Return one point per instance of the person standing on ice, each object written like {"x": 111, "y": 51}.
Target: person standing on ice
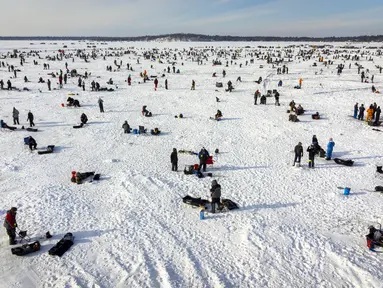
{"x": 30, "y": 119}
{"x": 60, "y": 82}
{"x": 276, "y": 96}
{"x": 256, "y": 95}
{"x": 215, "y": 191}
{"x": 166, "y": 84}
{"x": 155, "y": 84}
{"x": 174, "y": 160}
{"x": 203, "y": 155}
{"x": 298, "y": 150}
{"x": 311, "y": 149}
{"x": 370, "y": 113}
{"x": 15, "y": 115}
{"x": 193, "y": 85}
{"x": 362, "y": 76}
{"x": 330, "y": 147}
{"x": 356, "y": 108}
{"x": 377, "y": 115}
{"x": 361, "y": 112}
{"x": 126, "y": 127}
{"x": 101, "y": 105}
{"x": 10, "y": 225}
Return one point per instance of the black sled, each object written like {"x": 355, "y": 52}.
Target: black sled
{"x": 79, "y": 126}
{"x": 49, "y": 150}
{"x": 26, "y": 249}
{"x": 32, "y": 129}
{"x": 62, "y": 246}
{"x": 195, "y": 202}
{"x": 344, "y": 162}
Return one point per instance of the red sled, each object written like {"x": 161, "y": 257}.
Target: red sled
{"x": 210, "y": 160}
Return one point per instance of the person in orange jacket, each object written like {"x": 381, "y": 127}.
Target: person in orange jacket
{"x": 300, "y": 82}
{"x": 370, "y": 112}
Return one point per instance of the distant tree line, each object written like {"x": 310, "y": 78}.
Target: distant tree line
{"x": 200, "y": 38}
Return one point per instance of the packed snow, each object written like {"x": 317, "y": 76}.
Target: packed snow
{"x": 294, "y": 228}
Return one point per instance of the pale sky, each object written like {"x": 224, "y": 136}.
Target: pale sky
{"x": 213, "y": 17}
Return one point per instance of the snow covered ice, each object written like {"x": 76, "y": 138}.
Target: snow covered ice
{"x": 294, "y": 227}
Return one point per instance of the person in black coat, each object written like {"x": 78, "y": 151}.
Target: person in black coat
{"x": 126, "y": 127}
{"x": 276, "y": 96}
{"x": 30, "y": 119}
{"x": 174, "y": 160}
{"x": 84, "y": 118}
{"x": 263, "y": 99}
{"x": 311, "y": 149}
{"x": 32, "y": 143}
{"x": 361, "y": 112}
{"x": 203, "y": 155}
{"x": 316, "y": 143}
{"x": 101, "y": 105}
{"x": 298, "y": 153}
{"x": 377, "y": 114}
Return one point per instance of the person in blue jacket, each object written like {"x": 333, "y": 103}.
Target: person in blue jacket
{"x": 203, "y": 155}
{"x": 356, "y": 109}
{"x": 330, "y": 147}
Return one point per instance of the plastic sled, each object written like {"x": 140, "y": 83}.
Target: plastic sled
{"x": 26, "y": 249}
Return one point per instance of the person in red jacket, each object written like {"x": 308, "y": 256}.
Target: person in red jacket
{"x": 10, "y": 225}
{"x": 155, "y": 84}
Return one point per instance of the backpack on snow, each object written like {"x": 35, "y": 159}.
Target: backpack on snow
{"x": 230, "y": 205}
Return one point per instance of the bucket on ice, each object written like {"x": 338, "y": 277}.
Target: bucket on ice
{"x": 135, "y": 131}
{"x": 346, "y": 191}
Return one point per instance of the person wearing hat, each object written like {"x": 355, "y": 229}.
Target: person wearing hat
{"x": 298, "y": 154}
{"x": 10, "y": 225}
{"x": 215, "y": 191}
{"x": 330, "y": 147}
